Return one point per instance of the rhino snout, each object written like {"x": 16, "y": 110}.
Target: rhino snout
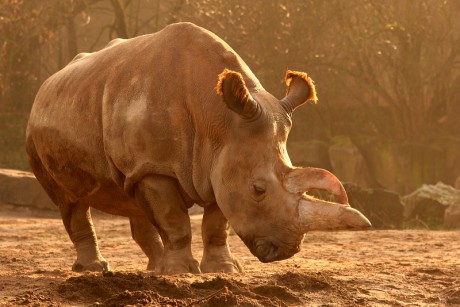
{"x": 270, "y": 249}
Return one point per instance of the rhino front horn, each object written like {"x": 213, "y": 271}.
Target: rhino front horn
{"x": 315, "y": 214}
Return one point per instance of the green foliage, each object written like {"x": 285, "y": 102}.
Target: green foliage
{"x": 398, "y": 54}
{"x": 21, "y": 31}
{"x": 25, "y": 28}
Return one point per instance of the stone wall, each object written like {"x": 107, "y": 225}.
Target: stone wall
{"x": 23, "y": 189}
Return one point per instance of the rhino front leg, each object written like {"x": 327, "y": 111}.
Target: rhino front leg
{"x": 147, "y": 237}
{"x": 216, "y": 253}
{"x": 160, "y": 198}
{"x": 79, "y": 226}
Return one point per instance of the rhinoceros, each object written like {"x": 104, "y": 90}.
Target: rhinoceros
{"x": 147, "y": 127}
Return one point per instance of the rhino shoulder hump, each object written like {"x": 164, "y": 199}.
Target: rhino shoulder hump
{"x": 183, "y": 27}
{"x": 114, "y": 42}
{"x": 192, "y": 34}
{"x": 79, "y": 56}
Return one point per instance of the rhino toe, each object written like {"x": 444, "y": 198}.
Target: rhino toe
{"x": 232, "y": 266}
{"x": 181, "y": 267}
{"x": 178, "y": 262}
{"x": 95, "y": 266}
{"x": 219, "y": 259}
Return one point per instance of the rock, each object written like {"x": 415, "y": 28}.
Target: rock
{"x": 434, "y": 204}
{"x": 452, "y": 216}
{"x": 22, "y": 188}
{"x": 380, "y": 157}
{"x": 348, "y": 163}
{"x": 403, "y": 167}
{"x": 383, "y": 208}
{"x": 313, "y": 154}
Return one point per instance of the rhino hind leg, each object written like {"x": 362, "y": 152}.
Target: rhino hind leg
{"x": 160, "y": 198}
{"x": 75, "y": 216}
{"x": 147, "y": 237}
{"x": 216, "y": 253}
{"x": 79, "y": 226}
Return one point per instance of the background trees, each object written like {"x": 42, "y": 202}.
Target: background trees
{"x": 387, "y": 72}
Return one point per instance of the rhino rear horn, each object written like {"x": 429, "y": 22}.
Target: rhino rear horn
{"x": 236, "y": 95}
{"x": 300, "y": 89}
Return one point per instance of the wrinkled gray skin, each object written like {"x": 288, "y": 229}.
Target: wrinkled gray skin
{"x": 139, "y": 130}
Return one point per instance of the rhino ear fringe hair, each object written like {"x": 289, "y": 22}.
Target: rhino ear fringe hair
{"x": 238, "y": 85}
{"x": 288, "y": 78}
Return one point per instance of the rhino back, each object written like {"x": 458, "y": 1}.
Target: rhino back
{"x": 139, "y": 106}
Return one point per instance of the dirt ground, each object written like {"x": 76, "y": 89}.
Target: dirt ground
{"x": 366, "y": 268}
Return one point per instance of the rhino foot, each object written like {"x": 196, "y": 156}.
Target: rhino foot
{"x": 95, "y": 266}
{"x": 213, "y": 266}
{"x": 218, "y": 259}
{"x": 153, "y": 266}
{"x": 178, "y": 262}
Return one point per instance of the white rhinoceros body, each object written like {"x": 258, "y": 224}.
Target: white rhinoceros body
{"x": 138, "y": 129}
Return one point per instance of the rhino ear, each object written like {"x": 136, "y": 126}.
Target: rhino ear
{"x": 232, "y": 88}
{"x": 300, "y": 88}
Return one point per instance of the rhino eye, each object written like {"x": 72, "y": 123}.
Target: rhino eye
{"x": 259, "y": 190}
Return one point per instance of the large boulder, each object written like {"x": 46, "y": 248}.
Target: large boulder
{"x": 434, "y": 204}
{"x": 452, "y": 216}
{"x": 313, "y": 153}
{"x": 348, "y": 163}
{"x": 382, "y": 162}
{"x": 405, "y": 166}
{"x": 383, "y": 208}
{"x": 22, "y": 188}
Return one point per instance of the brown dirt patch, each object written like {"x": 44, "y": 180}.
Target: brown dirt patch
{"x": 386, "y": 268}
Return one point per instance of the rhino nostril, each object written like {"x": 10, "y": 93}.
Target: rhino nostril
{"x": 266, "y": 251}
{"x": 260, "y": 249}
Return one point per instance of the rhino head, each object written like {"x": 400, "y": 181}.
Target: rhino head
{"x": 256, "y": 187}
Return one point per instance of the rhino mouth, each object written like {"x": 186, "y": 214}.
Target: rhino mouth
{"x": 271, "y": 249}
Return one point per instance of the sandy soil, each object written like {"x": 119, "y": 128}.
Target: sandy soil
{"x": 368, "y": 268}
